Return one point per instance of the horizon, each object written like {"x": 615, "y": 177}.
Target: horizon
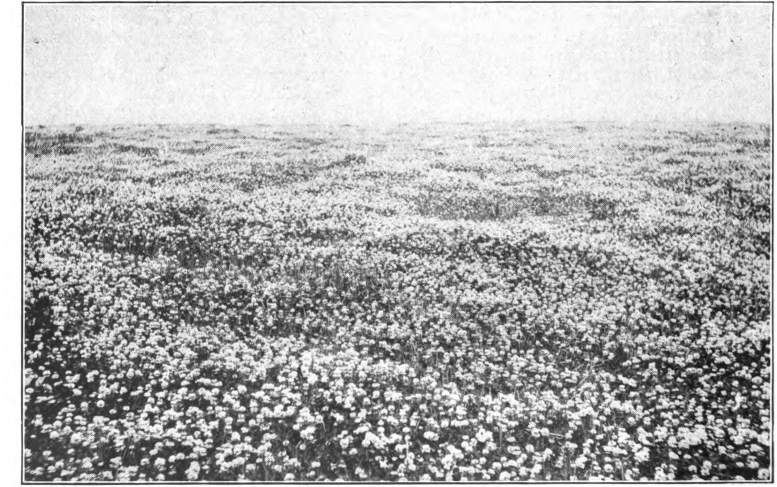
{"x": 85, "y": 125}
{"x": 387, "y": 64}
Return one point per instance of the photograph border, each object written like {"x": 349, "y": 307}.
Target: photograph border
{"x": 376, "y": 2}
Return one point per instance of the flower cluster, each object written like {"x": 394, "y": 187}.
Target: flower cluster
{"x": 466, "y": 302}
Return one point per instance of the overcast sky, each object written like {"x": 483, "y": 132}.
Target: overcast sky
{"x": 357, "y": 63}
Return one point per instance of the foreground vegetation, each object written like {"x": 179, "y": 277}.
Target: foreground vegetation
{"x": 447, "y": 302}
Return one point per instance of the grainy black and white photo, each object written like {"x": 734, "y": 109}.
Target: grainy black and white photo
{"x": 358, "y": 242}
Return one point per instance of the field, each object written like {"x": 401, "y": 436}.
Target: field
{"x": 436, "y": 302}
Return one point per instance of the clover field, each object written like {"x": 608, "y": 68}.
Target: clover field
{"x": 418, "y": 302}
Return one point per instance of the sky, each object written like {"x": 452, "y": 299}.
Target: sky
{"x": 393, "y": 63}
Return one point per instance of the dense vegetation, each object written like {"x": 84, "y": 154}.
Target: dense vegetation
{"x": 446, "y": 302}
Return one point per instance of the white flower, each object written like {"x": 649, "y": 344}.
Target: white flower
{"x": 193, "y": 472}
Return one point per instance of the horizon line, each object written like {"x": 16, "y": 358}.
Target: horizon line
{"x": 395, "y": 123}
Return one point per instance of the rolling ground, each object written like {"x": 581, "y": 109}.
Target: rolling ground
{"x": 439, "y": 302}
